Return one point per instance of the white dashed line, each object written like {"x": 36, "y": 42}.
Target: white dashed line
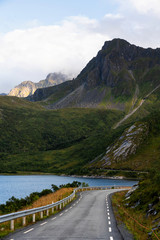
{"x": 73, "y": 204}
{"x": 70, "y": 207}
{"x": 43, "y": 223}
{"x": 61, "y": 214}
{"x": 110, "y": 229}
{"x": 107, "y": 210}
{"x": 109, "y": 222}
{"x": 108, "y": 213}
{"x": 53, "y": 218}
{"x": 66, "y": 210}
{"x": 111, "y": 238}
{"x": 28, "y": 230}
{"x": 109, "y": 218}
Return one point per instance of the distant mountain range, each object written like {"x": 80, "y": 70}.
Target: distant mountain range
{"x": 28, "y": 88}
{"x": 116, "y": 78}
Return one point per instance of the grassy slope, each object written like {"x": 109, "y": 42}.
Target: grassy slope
{"x": 35, "y": 139}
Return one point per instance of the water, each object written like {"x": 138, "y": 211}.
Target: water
{"x": 21, "y": 186}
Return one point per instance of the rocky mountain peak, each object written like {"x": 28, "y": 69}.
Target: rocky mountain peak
{"x": 27, "y": 88}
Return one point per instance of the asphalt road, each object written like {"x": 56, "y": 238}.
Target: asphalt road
{"x": 89, "y": 217}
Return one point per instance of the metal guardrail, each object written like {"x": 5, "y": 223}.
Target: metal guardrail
{"x": 58, "y": 205}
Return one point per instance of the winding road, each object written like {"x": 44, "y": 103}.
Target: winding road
{"x": 89, "y": 217}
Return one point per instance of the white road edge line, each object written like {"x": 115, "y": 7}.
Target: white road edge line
{"x": 28, "y": 230}
{"x": 43, "y": 223}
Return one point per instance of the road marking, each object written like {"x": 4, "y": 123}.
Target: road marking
{"x": 61, "y": 214}
{"x": 108, "y": 218}
{"x": 111, "y": 238}
{"x": 28, "y": 230}
{"x": 53, "y": 218}
{"x": 70, "y": 207}
{"x": 43, "y": 223}
{"x": 109, "y": 222}
{"x": 73, "y": 204}
{"x": 110, "y": 229}
{"x": 108, "y": 213}
{"x": 66, "y": 210}
{"x": 77, "y": 202}
{"x": 107, "y": 210}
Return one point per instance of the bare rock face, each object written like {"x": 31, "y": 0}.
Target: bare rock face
{"x": 27, "y": 88}
{"x": 126, "y": 145}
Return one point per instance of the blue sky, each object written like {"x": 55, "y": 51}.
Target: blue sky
{"x": 21, "y": 13}
{"x": 42, "y": 36}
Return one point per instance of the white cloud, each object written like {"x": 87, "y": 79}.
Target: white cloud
{"x": 30, "y": 54}
{"x": 147, "y": 6}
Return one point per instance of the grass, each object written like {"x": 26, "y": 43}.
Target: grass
{"x": 132, "y": 218}
{"x": 57, "y": 141}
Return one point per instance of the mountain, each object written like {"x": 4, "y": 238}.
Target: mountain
{"x": 3, "y": 94}
{"x": 28, "y": 88}
{"x": 117, "y": 78}
{"x": 106, "y": 120}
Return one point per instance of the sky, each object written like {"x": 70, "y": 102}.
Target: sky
{"x": 38, "y": 37}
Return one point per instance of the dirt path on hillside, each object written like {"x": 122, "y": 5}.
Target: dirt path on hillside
{"x": 134, "y": 110}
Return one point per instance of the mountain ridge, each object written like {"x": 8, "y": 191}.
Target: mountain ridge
{"x": 27, "y": 88}
{"x": 116, "y": 78}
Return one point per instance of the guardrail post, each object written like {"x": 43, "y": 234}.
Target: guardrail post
{"x": 41, "y": 215}
{"x": 34, "y": 218}
{"x": 24, "y": 221}
{"x": 60, "y": 206}
{"x": 52, "y": 208}
{"x": 12, "y": 225}
{"x": 47, "y": 212}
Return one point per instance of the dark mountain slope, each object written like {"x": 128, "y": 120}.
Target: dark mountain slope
{"x": 117, "y": 77}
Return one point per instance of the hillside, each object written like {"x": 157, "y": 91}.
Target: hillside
{"x": 28, "y": 88}
{"x": 119, "y": 77}
{"x": 36, "y": 139}
{"x": 90, "y": 133}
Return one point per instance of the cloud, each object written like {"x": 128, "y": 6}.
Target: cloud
{"x": 147, "y": 6}
{"x": 30, "y": 54}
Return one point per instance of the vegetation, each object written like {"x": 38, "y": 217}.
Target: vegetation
{"x": 33, "y": 200}
{"x": 140, "y": 211}
{"x": 58, "y": 141}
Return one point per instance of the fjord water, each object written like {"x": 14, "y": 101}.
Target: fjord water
{"x": 21, "y": 186}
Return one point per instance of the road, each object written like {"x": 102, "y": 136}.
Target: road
{"x": 89, "y": 217}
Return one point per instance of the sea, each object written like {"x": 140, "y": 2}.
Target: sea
{"x": 21, "y": 186}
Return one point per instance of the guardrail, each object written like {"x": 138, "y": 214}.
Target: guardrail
{"x": 58, "y": 205}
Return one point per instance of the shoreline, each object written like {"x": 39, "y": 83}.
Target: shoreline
{"x": 64, "y": 175}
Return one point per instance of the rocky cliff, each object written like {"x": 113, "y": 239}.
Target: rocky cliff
{"x": 28, "y": 88}
{"x": 117, "y": 77}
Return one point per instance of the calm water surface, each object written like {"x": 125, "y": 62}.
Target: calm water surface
{"x": 21, "y": 186}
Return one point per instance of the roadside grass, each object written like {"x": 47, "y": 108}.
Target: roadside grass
{"x": 45, "y": 200}
{"x": 135, "y": 220}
